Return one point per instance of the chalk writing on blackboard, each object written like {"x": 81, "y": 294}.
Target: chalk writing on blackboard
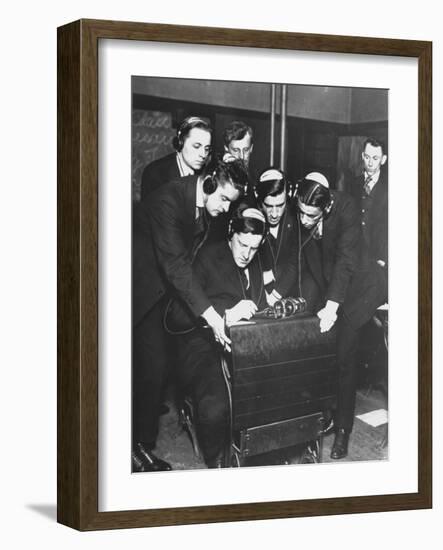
{"x": 152, "y": 136}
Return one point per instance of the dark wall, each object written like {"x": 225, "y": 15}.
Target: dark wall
{"x": 369, "y": 105}
{"x": 324, "y": 103}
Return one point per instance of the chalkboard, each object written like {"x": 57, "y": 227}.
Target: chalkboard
{"x": 152, "y": 135}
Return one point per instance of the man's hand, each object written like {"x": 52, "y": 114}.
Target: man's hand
{"x": 217, "y": 324}
{"x": 227, "y": 157}
{"x": 272, "y": 297}
{"x": 328, "y": 316}
{"x": 245, "y": 309}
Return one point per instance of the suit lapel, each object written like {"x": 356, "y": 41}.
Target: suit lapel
{"x": 280, "y": 236}
{"x": 379, "y": 199}
{"x": 232, "y": 277}
{"x": 227, "y": 267}
{"x": 256, "y": 280}
{"x": 189, "y": 185}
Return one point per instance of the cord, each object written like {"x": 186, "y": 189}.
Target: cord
{"x": 226, "y": 377}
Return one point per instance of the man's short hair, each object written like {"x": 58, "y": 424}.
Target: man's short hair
{"x": 375, "y": 143}
{"x": 235, "y": 131}
{"x": 312, "y": 193}
{"x": 185, "y": 127}
{"x": 241, "y": 222}
{"x": 233, "y": 172}
{"x": 271, "y": 186}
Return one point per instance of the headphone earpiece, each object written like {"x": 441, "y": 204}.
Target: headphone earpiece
{"x": 328, "y": 208}
{"x": 230, "y": 231}
{"x": 292, "y": 189}
{"x": 209, "y": 185}
{"x": 179, "y": 141}
{"x": 265, "y": 235}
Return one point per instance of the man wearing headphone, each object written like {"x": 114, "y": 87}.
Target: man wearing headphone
{"x": 329, "y": 245}
{"x": 329, "y": 239}
{"x": 167, "y": 231}
{"x": 273, "y": 195}
{"x": 230, "y": 273}
{"x": 192, "y": 146}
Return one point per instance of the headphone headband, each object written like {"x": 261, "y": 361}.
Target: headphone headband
{"x": 253, "y": 213}
{"x": 271, "y": 174}
{"x": 189, "y": 121}
{"x": 318, "y": 178}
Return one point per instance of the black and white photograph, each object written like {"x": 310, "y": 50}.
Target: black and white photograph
{"x": 259, "y": 274}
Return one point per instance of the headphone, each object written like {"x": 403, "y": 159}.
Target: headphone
{"x": 249, "y": 212}
{"x": 275, "y": 174}
{"x": 185, "y": 127}
{"x": 210, "y": 183}
{"x": 321, "y": 181}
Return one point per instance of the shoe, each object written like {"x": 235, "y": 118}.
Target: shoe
{"x": 340, "y": 446}
{"x": 144, "y": 460}
{"x": 137, "y": 463}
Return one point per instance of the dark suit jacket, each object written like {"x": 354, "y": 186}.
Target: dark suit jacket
{"x": 333, "y": 268}
{"x": 369, "y": 287}
{"x": 163, "y": 242}
{"x": 158, "y": 173}
{"x": 280, "y": 255}
{"x": 377, "y": 215}
{"x": 219, "y": 277}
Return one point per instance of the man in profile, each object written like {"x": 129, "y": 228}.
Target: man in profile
{"x": 192, "y": 146}
{"x": 168, "y": 230}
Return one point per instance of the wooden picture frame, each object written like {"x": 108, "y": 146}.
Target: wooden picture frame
{"x": 78, "y": 273}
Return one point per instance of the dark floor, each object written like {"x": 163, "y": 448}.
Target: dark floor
{"x": 366, "y": 443}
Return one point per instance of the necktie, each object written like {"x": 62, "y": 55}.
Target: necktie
{"x": 244, "y": 281}
{"x": 199, "y": 231}
{"x": 367, "y": 185}
{"x": 199, "y": 221}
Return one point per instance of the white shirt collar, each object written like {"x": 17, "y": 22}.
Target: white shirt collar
{"x": 274, "y": 231}
{"x": 246, "y": 270}
{"x": 183, "y": 168}
{"x": 318, "y": 233}
{"x": 199, "y": 195}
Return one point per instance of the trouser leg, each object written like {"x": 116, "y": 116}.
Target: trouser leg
{"x": 149, "y": 362}
{"x": 347, "y": 343}
{"x": 200, "y": 374}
